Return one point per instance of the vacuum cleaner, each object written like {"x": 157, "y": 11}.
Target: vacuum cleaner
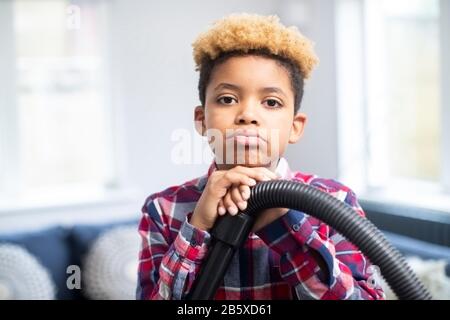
{"x": 230, "y": 232}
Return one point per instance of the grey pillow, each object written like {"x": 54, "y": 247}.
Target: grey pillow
{"x": 22, "y": 276}
{"x": 110, "y": 267}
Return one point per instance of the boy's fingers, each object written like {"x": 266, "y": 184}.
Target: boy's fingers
{"x": 237, "y": 198}
{"x": 221, "y": 208}
{"x": 236, "y": 178}
{"x": 268, "y": 173}
{"x": 259, "y": 173}
{"x": 245, "y": 191}
{"x": 229, "y": 204}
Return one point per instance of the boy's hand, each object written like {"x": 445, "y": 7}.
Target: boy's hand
{"x": 237, "y": 196}
{"x": 226, "y": 190}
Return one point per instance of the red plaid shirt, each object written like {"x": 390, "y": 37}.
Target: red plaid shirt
{"x": 274, "y": 263}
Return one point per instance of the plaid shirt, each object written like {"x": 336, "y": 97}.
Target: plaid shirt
{"x": 274, "y": 263}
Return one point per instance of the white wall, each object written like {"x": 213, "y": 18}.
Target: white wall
{"x": 317, "y": 151}
{"x": 154, "y": 91}
{"x": 156, "y": 85}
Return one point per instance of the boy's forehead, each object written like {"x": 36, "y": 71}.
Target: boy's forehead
{"x": 250, "y": 71}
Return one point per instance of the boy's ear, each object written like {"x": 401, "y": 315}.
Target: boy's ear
{"x": 199, "y": 120}
{"x": 298, "y": 126}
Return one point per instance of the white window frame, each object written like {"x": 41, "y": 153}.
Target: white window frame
{"x": 352, "y": 119}
{"x": 9, "y": 161}
{"x": 445, "y": 90}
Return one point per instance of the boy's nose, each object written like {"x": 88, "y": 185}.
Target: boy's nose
{"x": 244, "y": 120}
{"x": 247, "y": 116}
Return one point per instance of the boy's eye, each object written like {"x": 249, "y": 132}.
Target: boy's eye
{"x": 272, "y": 103}
{"x": 226, "y": 100}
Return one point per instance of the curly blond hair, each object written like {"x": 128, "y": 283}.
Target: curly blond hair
{"x": 244, "y": 32}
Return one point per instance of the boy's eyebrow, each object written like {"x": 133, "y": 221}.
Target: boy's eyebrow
{"x": 273, "y": 89}
{"x": 230, "y": 86}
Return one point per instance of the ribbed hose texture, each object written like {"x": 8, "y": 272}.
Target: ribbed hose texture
{"x": 323, "y": 206}
{"x": 341, "y": 217}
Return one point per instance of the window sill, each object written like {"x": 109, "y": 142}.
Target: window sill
{"x": 424, "y": 196}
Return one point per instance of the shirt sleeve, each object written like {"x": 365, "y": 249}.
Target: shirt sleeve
{"x": 300, "y": 239}
{"x": 167, "y": 268}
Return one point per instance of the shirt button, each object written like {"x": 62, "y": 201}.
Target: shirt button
{"x": 295, "y": 227}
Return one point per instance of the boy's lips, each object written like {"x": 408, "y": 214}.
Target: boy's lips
{"x": 246, "y": 137}
{"x": 245, "y": 133}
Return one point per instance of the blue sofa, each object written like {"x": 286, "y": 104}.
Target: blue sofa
{"x": 58, "y": 247}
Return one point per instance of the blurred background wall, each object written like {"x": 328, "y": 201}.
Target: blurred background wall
{"x": 93, "y": 92}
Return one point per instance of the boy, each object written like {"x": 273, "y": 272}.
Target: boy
{"x": 252, "y": 70}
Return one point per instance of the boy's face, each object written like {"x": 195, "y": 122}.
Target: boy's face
{"x": 249, "y": 113}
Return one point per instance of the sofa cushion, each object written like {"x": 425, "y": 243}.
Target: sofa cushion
{"x": 412, "y": 247}
{"x": 111, "y": 264}
{"x": 51, "y": 249}
{"x": 81, "y": 239}
{"x": 22, "y": 276}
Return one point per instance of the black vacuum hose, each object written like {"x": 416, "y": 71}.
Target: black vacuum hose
{"x": 230, "y": 232}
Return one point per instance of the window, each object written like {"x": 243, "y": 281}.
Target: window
{"x": 403, "y": 82}
{"x": 55, "y": 120}
{"x": 391, "y": 97}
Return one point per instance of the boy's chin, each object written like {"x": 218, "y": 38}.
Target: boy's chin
{"x": 254, "y": 165}
{"x": 250, "y": 163}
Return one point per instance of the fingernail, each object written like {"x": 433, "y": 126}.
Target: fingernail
{"x": 245, "y": 195}
{"x": 251, "y": 182}
{"x": 222, "y": 210}
{"x": 242, "y": 205}
{"x": 232, "y": 210}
